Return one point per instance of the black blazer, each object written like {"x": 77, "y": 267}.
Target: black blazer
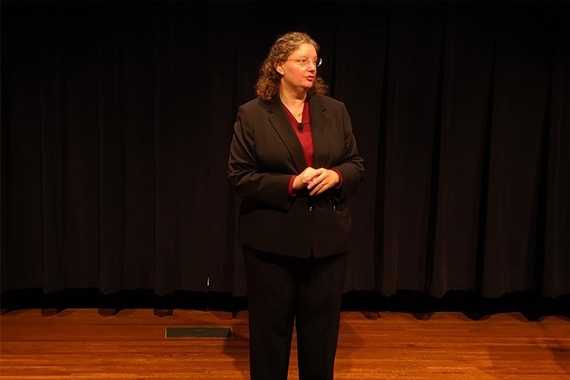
{"x": 265, "y": 152}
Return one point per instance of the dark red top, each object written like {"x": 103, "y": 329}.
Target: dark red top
{"x": 304, "y": 134}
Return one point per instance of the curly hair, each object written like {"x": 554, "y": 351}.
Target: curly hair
{"x": 267, "y": 86}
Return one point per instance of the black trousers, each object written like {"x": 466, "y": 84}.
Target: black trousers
{"x": 284, "y": 292}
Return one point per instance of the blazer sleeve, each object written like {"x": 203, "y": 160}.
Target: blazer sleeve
{"x": 244, "y": 177}
{"x": 351, "y": 167}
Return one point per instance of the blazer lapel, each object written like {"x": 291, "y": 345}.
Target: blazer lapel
{"x": 318, "y": 128}
{"x": 282, "y": 126}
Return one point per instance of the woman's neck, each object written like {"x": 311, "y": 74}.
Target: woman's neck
{"x": 292, "y": 100}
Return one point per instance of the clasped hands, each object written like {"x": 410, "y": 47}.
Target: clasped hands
{"x": 317, "y": 181}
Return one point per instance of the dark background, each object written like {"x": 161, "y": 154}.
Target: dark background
{"x": 117, "y": 118}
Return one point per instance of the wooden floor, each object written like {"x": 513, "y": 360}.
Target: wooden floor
{"x": 131, "y": 344}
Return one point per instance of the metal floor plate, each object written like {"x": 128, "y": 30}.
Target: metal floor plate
{"x": 198, "y": 332}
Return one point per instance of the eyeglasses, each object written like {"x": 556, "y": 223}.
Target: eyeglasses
{"x": 304, "y": 62}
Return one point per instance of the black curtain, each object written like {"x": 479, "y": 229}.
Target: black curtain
{"x": 117, "y": 119}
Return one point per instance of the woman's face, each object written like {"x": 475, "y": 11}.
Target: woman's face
{"x": 300, "y": 69}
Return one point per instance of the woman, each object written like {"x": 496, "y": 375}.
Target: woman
{"x": 294, "y": 162}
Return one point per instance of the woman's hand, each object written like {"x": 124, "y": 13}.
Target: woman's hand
{"x": 304, "y": 179}
{"x": 322, "y": 180}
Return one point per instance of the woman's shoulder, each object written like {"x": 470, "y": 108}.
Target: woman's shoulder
{"x": 255, "y": 104}
{"x": 327, "y": 101}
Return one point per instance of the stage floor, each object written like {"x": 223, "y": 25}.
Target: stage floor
{"x": 132, "y": 344}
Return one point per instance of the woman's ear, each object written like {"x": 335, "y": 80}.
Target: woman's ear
{"x": 279, "y": 68}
